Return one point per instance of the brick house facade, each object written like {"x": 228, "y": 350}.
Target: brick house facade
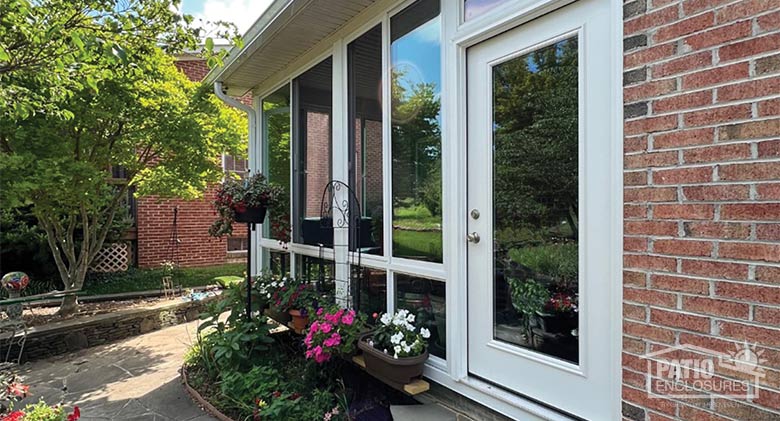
{"x": 188, "y": 243}
{"x": 702, "y": 195}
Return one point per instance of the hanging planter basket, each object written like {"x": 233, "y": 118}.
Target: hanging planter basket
{"x": 251, "y": 215}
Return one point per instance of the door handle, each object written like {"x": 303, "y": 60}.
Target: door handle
{"x": 472, "y": 237}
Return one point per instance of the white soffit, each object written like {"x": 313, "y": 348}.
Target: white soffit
{"x": 287, "y": 29}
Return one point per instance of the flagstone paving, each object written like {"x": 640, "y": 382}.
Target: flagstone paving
{"x": 135, "y": 379}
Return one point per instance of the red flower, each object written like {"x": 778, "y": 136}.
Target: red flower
{"x": 14, "y": 416}
{"x": 75, "y": 415}
{"x": 277, "y": 394}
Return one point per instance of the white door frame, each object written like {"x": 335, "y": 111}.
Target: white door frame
{"x": 461, "y": 36}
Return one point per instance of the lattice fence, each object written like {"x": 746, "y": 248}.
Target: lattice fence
{"x": 113, "y": 257}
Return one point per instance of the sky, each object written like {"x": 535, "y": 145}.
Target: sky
{"x": 243, "y": 13}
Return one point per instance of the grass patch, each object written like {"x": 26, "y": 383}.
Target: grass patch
{"x": 426, "y": 244}
{"x": 415, "y": 216}
{"x": 150, "y": 279}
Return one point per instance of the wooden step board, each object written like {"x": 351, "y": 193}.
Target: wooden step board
{"x": 414, "y": 388}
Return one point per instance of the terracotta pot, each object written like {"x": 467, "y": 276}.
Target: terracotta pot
{"x": 300, "y": 322}
{"x": 400, "y": 371}
{"x": 281, "y": 317}
{"x": 254, "y": 215}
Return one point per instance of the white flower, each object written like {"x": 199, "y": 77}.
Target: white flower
{"x": 410, "y": 318}
{"x": 269, "y": 295}
{"x": 281, "y": 284}
{"x": 409, "y": 327}
{"x": 385, "y": 319}
{"x": 274, "y": 284}
{"x": 425, "y": 333}
{"x": 397, "y": 350}
{"x": 395, "y": 339}
{"x": 407, "y": 348}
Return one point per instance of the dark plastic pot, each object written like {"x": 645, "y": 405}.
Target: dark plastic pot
{"x": 397, "y": 370}
{"x": 558, "y": 323}
{"x": 251, "y": 215}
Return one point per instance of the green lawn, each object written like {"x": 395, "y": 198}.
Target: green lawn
{"x": 415, "y": 216}
{"x": 425, "y": 244}
{"x": 149, "y": 279}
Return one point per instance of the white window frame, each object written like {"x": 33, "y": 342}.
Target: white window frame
{"x": 457, "y": 36}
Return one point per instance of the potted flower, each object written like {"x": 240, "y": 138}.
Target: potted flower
{"x": 333, "y": 332}
{"x": 560, "y": 314}
{"x": 243, "y": 201}
{"x": 272, "y": 290}
{"x": 396, "y": 350}
{"x": 301, "y": 301}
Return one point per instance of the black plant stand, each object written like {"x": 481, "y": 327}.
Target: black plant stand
{"x": 250, "y": 228}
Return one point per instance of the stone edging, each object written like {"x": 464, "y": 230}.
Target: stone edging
{"x": 203, "y": 403}
{"x": 71, "y": 335}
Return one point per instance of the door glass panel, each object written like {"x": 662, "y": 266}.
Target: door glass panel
{"x": 535, "y": 199}
{"x": 474, "y": 8}
{"x": 415, "y": 51}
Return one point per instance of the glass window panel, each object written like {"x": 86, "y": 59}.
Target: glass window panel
{"x": 535, "y": 196}
{"x": 426, "y": 299}
{"x": 276, "y": 152}
{"x": 474, "y": 8}
{"x": 416, "y": 136}
{"x": 365, "y": 155}
{"x": 313, "y": 152}
{"x": 371, "y": 295}
{"x": 277, "y": 262}
{"x": 318, "y": 271}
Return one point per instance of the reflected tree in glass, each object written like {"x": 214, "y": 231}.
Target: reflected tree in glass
{"x": 535, "y": 195}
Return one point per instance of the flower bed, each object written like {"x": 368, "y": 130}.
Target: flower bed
{"x": 245, "y": 372}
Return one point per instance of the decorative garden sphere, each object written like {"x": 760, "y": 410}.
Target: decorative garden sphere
{"x": 15, "y": 281}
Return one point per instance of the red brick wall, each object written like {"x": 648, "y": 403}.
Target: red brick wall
{"x": 318, "y": 155}
{"x": 155, "y": 218}
{"x": 702, "y": 195}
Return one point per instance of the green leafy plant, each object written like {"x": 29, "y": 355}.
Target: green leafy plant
{"x": 558, "y": 261}
{"x": 41, "y": 411}
{"x": 235, "y": 341}
{"x": 528, "y": 297}
{"x": 297, "y": 294}
{"x": 235, "y": 195}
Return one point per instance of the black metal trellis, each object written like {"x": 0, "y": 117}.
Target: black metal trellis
{"x": 340, "y": 210}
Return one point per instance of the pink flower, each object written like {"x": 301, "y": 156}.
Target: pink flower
{"x": 334, "y": 340}
{"x": 321, "y": 358}
{"x": 347, "y": 319}
{"x": 319, "y": 311}
{"x": 315, "y": 327}
{"x": 326, "y": 327}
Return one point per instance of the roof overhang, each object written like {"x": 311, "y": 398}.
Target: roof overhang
{"x": 284, "y": 32}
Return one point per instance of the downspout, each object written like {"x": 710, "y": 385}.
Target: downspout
{"x": 254, "y": 262}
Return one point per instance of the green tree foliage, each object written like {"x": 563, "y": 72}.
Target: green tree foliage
{"x": 52, "y": 48}
{"x": 119, "y": 102}
{"x": 536, "y": 138}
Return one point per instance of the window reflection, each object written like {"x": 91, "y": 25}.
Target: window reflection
{"x": 319, "y": 272}
{"x": 535, "y": 196}
{"x": 313, "y": 152}
{"x": 276, "y": 133}
{"x": 416, "y": 137}
{"x": 426, "y": 299}
{"x": 365, "y": 110}
{"x": 371, "y": 295}
{"x": 474, "y": 8}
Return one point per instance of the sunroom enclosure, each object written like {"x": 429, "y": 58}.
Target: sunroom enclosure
{"x": 480, "y": 140}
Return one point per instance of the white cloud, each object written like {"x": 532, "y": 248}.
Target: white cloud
{"x": 243, "y": 13}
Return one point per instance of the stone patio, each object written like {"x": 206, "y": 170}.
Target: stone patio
{"x": 135, "y": 379}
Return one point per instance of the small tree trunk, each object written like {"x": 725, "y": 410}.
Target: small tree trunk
{"x": 69, "y": 305}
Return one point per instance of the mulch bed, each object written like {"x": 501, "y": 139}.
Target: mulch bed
{"x": 38, "y": 316}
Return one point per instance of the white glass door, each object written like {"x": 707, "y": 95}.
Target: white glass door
{"x": 539, "y": 203}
